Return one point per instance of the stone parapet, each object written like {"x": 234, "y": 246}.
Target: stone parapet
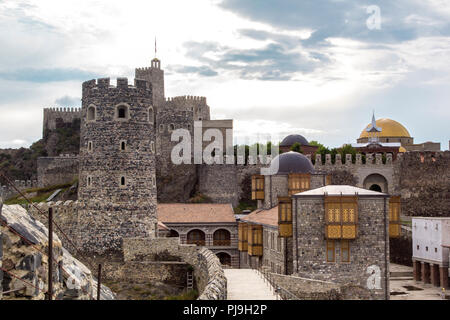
{"x": 208, "y": 272}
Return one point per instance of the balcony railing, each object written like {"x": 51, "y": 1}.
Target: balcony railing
{"x": 221, "y": 243}
{"x": 196, "y": 242}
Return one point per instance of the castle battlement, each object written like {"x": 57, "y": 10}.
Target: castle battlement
{"x": 187, "y": 98}
{"x": 371, "y": 159}
{"x": 122, "y": 83}
{"x": 52, "y": 110}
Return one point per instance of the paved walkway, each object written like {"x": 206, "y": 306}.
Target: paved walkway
{"x": 247, "y": 284}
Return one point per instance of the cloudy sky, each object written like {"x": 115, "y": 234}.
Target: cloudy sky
{"x": 314, "y": 67}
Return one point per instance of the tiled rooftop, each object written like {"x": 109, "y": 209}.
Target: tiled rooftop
{"x": 195, "y": 212}
{"x": 261, "y": 216}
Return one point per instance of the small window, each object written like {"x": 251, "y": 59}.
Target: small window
{"x": 91, "y": 113}
{"x": 123, "y": 145}
{"x": 189, "y": 127}
{"x": 122, "y": 112}
{"x": 152, "y": 146}
{"x": 171, "y": 127}
{"x": 417, "y": 247}
{"x": 90, "y": 146}
{"x": 330, "y": 251}
{"x": 150, "y": 114}
{"x": 161, "y": 128}
{"x": 122, "y": 181}
{"x": 345, "y": 251}
{"x": 426, "y": 248}
{"x": 435, "y": 250}
{"x": 89, "y": 181}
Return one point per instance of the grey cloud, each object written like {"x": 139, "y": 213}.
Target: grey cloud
{"x": 275, "y": 61}
{"x": 330, "y": 18}
{"x": 202, "y": 71}
{"x": 46, "y": 74}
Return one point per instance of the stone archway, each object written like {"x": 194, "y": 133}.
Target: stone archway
{"x": 225, "y": 258}
{"x": 376, "y": 182}
{"x": 174, "y": 233}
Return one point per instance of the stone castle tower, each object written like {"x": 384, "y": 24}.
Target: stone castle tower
{"x": 117, "y": 182}
{"x": 155, "y": 79}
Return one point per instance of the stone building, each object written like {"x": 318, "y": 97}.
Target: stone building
{"x": 430, "y": 253}
{"x": 290, "y": 140}
{"x": 117, "y": 181}
{"x": 211, "y": 225}
{"x": 341, "y": 234}
{"x": 394, "y": 132}
{"x": 374, "y": 143}
{"x": 289, "y": 173}
{"x": 277, "y": 251}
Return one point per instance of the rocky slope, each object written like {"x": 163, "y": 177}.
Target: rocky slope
{"x": 24, "y": 262}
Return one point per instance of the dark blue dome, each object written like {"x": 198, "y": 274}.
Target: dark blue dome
{"x": 291, "y": 162}
{"x": 293, "y": 138}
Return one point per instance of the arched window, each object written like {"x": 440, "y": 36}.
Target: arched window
{"x": 171, "y": 127}
{"x": 150, "y": 115}
{"x": 221, "y": 237}
{"x": 161, "y": 128}
{"x": 89, "y": 181}
{"x": 196, "y": 237}
{"x": 122, "y": 181}
{"x": 90, "y": 146}
{"x": 123, "y": 145}
{"x": 91, "y": 113}
{"x": 122, "y": 112}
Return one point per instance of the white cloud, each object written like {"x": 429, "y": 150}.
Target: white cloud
{"x": 329, "y": 102}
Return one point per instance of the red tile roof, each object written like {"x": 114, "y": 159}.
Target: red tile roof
{"x": 262, "y": 216}
{"x": 195, "y": 213}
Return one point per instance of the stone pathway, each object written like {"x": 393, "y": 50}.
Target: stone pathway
{"x": 247, "y": 284}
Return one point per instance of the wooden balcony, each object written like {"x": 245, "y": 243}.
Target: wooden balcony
{"x": 221, "y": 243}
{"x": 196, "y": 242}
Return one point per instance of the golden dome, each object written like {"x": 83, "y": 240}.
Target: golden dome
{"x": 390, "y": 128}
{"x": 401, "y": 149}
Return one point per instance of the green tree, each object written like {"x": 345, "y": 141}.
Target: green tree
{"x": 297, "y": 147}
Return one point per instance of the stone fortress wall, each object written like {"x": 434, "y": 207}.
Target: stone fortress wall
{"x": 208, "y": 273}
{"x": 7, "y": 191}
{"x": 420, "y": 178}
{"x": 57, "y": 170}
{"x": 54, "y": 117}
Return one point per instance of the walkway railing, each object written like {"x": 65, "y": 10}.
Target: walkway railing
{"x": 280, "y": 292}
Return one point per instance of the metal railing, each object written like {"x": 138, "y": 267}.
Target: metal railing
{"x": 280, "y": 292}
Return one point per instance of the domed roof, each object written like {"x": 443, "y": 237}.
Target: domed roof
{"x": 293, "y": 138}
{"x": 389, "y": 128}
{"x": 291, "y": 162}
